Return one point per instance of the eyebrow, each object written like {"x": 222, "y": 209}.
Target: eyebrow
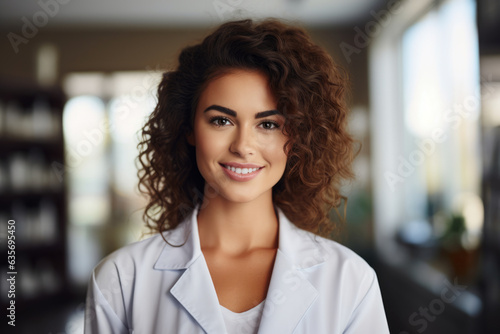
{"x": 233, "y": 113}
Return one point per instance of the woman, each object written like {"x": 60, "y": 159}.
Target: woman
{"x": 242, "y": 159}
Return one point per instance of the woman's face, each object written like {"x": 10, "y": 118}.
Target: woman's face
{"x": 238, "y": 137}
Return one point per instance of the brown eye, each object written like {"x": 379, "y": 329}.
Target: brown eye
{"x": 269, "y": 125}
{"x": 219, "y": 121}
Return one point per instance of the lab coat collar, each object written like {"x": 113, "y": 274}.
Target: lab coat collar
{"x": 183, "y": 246}
{"x": 289, "y": 296}
{"x": 302, "y": 249}
{"x": 194, "y": 289}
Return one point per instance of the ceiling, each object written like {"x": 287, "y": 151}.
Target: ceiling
{"x": 184, "y": 13}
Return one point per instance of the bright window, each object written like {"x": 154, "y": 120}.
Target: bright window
{"x": 102, "y": 122}
{"x": 441, "y": 102}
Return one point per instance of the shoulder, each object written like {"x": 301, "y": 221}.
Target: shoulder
{"x": 329, "y": 261}
{"x": 126, "y": 261}
{"x": 338, "y": 256}
{"x": 334, "y": 268}
{"x": 346, "y": 285}
{"x": 308, "y": 250}
{"x": 342, "y": 255}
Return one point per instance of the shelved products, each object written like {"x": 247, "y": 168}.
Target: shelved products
{"x": 32, "y": 193}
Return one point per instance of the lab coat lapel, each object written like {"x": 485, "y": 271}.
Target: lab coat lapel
{"x": 290, "y": 293}
{"x": 194, "y": 289}
{"x": 196, "y": 293}
{"x": 289, "y": 297}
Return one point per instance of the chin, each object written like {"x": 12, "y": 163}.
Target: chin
{"x": 240, "y": 197}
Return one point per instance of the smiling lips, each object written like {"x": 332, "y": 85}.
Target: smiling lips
{"x": 241, "y": 172}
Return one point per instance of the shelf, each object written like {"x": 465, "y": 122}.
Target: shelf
{"x": 8, "y": 197}
{"x": 31, "y": 139}
{"x": 39, "y": 250}
{"x": 27, "y": 92}
{"x": 12, "y": 144}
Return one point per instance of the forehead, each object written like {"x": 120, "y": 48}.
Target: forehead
{"x": 240, "y": 90}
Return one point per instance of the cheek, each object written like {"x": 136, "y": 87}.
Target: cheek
{"x": 208, "y": 146}
{"x": 275, "y": 152}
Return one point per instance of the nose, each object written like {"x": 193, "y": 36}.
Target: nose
{"x": 243, "y": 143}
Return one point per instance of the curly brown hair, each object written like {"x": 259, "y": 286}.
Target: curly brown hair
{"x": 310, "y": 92}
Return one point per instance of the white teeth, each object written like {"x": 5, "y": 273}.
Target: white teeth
{"x": 241, "y": 170}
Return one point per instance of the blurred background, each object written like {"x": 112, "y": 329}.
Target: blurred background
{"x": 78, "y": 78}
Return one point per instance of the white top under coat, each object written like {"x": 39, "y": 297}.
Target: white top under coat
{"x": 317, "y": 286}
{"x": 245, "y": 322}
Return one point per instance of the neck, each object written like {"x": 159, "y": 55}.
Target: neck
{"x": 237, "y": 228}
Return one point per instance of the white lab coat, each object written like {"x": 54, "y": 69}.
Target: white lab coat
{"x": 317, "y": 286}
